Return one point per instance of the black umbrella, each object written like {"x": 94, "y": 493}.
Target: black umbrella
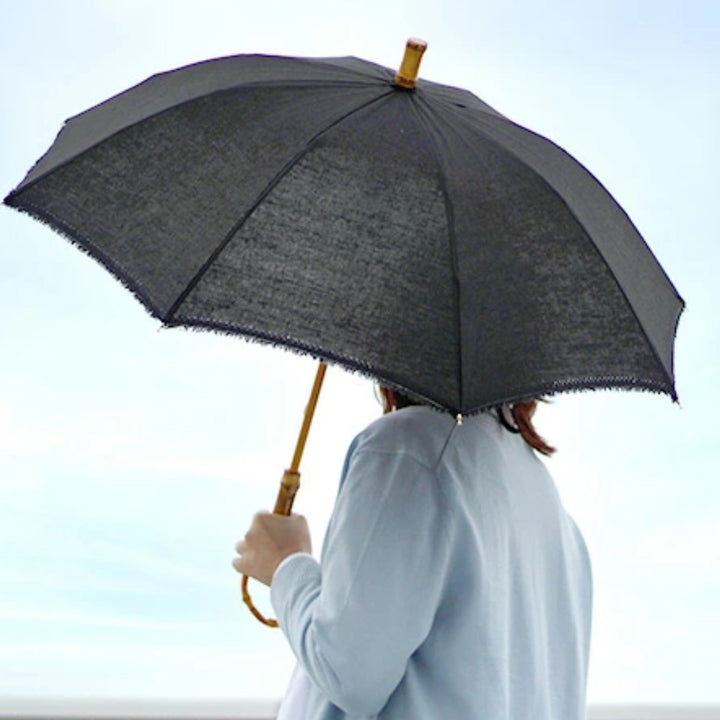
{"x": 409, "y": 232}
{"x": 414, "y": 235}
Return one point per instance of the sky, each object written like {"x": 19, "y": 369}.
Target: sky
{"x": 132, "y": 458}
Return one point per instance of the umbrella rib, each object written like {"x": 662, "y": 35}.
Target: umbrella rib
{"x": 431, "y": 129}
{"x": 489, "y": 127}
{"x": 169, "y": 315}
{"x": 600, "y": 253}
{"x": 118, "y": 129}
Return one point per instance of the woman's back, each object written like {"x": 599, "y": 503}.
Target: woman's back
{"x": 452, "y": 585}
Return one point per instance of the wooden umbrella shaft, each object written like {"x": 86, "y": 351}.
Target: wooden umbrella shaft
{"x": 290, "y": 481}
{"x": 406, "y": 77}
{"x": 291, "y": 478}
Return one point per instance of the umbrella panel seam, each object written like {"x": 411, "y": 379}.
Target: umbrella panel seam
{"x": 425, "y": 120}
{"x": 271, "y": 185}
{"x": 280, "y": 84}
{"x": 651, "y": 345}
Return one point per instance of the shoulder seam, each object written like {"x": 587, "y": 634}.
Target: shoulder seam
{"x": 403, "y": 452}
{"x": 444, "y": 447}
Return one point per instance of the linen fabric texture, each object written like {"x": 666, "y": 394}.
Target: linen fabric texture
{"x": 453, "y": 583}
{"x": 297, "y": 201}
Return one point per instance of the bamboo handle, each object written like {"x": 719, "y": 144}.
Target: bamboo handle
{"x": 289, "y": 486}
{"x": 406, "y": 76}
{"x": 270, "y": 622}
{"x": 290, "y": 483}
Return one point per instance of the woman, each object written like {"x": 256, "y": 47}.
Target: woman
{"x": 453, "y": 584}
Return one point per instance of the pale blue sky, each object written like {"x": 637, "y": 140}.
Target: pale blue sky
{"x": 132, "y": 459}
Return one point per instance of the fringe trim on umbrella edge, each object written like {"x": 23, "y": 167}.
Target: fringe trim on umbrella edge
{"x": 353, "y": 365}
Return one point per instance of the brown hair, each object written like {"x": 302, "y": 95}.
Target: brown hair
{"x": 521, "y": 414}
{"x": 522, "y": 418}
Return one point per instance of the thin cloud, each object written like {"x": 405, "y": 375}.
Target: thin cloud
{"x": 84, "y": 619}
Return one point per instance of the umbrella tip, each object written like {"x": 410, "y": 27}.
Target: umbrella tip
{"x": 406, "y": 76}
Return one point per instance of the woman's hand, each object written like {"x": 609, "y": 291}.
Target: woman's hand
{"x": 270, "y": 539}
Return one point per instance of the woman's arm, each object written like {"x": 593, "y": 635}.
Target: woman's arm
{"x": 354, "y": 621}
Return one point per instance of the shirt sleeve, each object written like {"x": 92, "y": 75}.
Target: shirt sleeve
{"x": 355, "y": 620}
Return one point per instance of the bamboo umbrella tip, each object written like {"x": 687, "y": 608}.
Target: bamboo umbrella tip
{"x": 406, "y": 76}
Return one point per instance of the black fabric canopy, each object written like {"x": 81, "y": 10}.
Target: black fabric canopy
{"x": 417, "y": 236}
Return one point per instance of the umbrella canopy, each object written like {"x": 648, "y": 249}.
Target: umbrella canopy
{"x": 415, "y": 235}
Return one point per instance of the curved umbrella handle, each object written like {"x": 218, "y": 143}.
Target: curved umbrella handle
{"x": 270, "y": 622}
{"x": 290, "y": 483}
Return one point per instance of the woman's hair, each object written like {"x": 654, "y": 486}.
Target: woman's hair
{"x": 521, "y": 414}
{"x": 522, "y": 423}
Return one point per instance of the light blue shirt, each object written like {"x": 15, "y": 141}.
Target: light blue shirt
{"x": 453, "y": 584}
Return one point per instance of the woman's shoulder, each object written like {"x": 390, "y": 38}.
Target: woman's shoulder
{"x": 418, "y": 431}
{"x": 428, "y": 435}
